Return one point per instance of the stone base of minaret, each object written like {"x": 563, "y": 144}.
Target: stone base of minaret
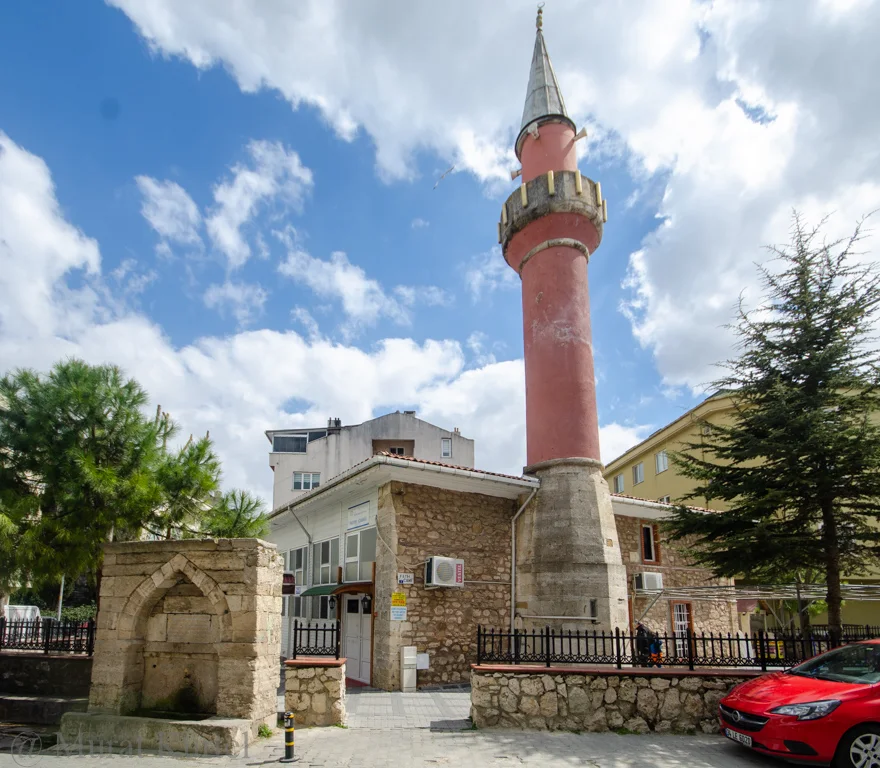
{"x": 568, "y": 560}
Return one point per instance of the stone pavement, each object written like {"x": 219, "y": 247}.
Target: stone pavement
{"x": 438, "y": 709}
{"x": 422, "y": 747}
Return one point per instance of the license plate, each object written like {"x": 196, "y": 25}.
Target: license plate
{"x": 740, "y": 737}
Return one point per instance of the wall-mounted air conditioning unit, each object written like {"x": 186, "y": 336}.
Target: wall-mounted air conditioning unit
{"x": 649, "y": 582}
{"x": 444, "y": 572}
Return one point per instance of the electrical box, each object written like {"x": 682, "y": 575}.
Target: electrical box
{"x": 408, "y": 666}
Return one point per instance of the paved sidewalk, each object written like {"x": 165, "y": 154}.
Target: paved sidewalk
{"x": 421, "y": 747}
{"x": 438, "y": 710}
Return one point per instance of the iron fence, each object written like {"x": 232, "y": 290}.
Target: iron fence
{"x": 761, "y": 650}
{"x": 315, "y": 639}
{"x": 48, "y": 636}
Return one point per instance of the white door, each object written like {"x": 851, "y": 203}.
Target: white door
{"x": 356, "y": 633}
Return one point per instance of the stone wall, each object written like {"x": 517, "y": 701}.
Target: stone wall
{"x": 678, "y": 571}
{"x": 417, "y": 522}
{"x": 314, "y": 690}
{"x": 559, "y": 699}
{"x": 30, "y": 674}
{"x": 168, "y": 609}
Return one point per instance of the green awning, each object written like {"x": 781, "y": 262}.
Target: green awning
{"x": 323, "y": 589}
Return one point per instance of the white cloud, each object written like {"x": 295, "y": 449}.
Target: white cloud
{"x": 429, "y": 295}
{"x": 170, "y": 210}
{"x": 476, "y": 343}
{"x": 275, "y": 174}
{"x": 742, "y": 109}
{"x": 418, "y": 223}
{"x": 130, "y": 280}
{"x": 615, "y": 439}
{"x": 245, "y": 301}
{"x": 487, "y": 273}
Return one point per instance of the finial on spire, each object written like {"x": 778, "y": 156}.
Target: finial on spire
{"x": 539, "y": 22}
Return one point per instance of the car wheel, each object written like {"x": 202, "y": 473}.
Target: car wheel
{"x": 860, "y": 748}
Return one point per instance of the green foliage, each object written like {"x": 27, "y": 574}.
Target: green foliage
{"x": 799, "y": 467}
{"x": 79, "y": 612}
{"x": 264, "y": 731}
{"x": 236, "y": 515}
{"x": 81, "y": 463}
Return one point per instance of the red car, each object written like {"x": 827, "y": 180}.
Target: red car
{"x": 826, "y": 710}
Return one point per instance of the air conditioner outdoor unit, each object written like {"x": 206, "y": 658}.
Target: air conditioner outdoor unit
{"x": 444, "y": 572}
{"x": 649, "y": 582}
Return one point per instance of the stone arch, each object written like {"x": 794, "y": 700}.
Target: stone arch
{"x": 134, "y": 614}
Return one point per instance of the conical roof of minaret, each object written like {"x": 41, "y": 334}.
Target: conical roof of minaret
{"x": 543, "y": 97}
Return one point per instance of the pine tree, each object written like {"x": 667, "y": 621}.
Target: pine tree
{"x": 83, "y": 463}
{"x": 799, "y": 467}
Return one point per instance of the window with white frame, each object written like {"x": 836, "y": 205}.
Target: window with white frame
{"x": 305, "y": 481}
{"x": 397, "y": 450}
{"x": 649, "y": 543}
{"x": 639, "y": 473}
{"x": 661, "y": 461}
{"x": 618, "y": 483}
{"x": 446, "y": 447}
{"x": 298, "y": 563}
{"x": 325, "y": 560}
{"x": 360, "y": 553}
{"x": 321, "y": 607}
{"x": 664, "y": 500}
{"x": 290, "y": 443}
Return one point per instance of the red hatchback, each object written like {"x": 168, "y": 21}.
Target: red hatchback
{"x": 824, "y": 710}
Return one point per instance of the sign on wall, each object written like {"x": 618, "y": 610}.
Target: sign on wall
{"x": 358, "y": 516}
{"x": 398, "y": 613}
{"x": 398, "y": 598}
{"x": 405, "y": 578}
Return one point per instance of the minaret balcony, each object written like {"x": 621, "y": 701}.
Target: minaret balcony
{"x": 552, "y": 192}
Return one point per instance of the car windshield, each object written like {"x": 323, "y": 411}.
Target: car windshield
{"x": 857, "y": 663}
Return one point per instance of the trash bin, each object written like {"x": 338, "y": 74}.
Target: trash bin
{"x": 408, "y": 660}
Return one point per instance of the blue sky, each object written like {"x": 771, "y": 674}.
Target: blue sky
{"x": 242, "y": 212}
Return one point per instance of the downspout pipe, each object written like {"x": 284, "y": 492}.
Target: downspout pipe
{"x": 513, "y": 558}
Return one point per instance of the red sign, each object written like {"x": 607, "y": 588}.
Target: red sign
{"x": 288, "y": 583}
{"x": 459, "y": 573}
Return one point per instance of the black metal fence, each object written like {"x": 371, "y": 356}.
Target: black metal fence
{"x": 761, "y": 650}
{"x": 48, "y": 636}
{"x": 313, "y": 639}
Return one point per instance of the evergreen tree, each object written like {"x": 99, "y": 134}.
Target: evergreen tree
{"x": 799, "y": 466}
{"x": 82, "y": 463}
{"x": 237, "y": 515}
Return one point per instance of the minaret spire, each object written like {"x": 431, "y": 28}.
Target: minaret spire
{"x": 543, "y": 98}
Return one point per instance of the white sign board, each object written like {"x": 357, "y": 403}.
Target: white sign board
{"x": 359, "y": 516}
{"x": 398, "y": 613}
{"x": 422, "y": 661}
{"x": 405, "y": 578}
{"x": 299, "y": 589}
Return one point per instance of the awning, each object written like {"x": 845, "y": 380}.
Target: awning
{"x": 322, "y": 589}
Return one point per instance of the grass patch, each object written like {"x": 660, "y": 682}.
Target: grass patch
{"x": 264, "y": 731}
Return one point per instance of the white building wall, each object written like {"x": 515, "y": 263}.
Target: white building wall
{"x": 337, "y": 452}
{"x": 322, "y": 522}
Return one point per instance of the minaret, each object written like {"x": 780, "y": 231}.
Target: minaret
{"x": 568, "y": 554}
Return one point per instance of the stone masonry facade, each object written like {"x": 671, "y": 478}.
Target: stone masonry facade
{"x": 314, "y": 690}
{"x": 190, "y": 626}
{"x": 595, "y": 701}
{"x": 416, "y": 522}
{"x": 708, "y": 615}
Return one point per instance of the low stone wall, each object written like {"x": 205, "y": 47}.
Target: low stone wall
{"x": 567, "y": 699}
{"x": 314, "y": 690}
{"x": 39, "y": 674}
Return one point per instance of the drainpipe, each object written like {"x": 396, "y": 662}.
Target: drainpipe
{"x": 513, "y": 558}
{"x": 308, "y": 535}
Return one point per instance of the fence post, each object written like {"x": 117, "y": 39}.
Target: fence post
{"x": 479, "y": 645}
{"x": 761, "y": 655}
{"x": 515, "y": 645}
{"x": 2, "y": 630}
{"x": 295, "y": 636}
{"x": 46, "y": 627}
{"x": 617, "y": 649}
{"x": 547, "y": 643}
{"x": 91, "y": 631}
{"x": 689, "y": 639}
{"x": 338, "y": 633}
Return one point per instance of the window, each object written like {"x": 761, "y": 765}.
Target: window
{"x": 298, "y": 564}
{"x": 321, "y": 608}
{"x": 664, "y": 500}
{"x": 325, "y": 560}
{"x": 445, "y": 447}
{"x": 397, "y": 450}
{"x": 360, "y": 552}
{"x": 682, "y": 624}
{"x": 639, "y": 473}
{"x": 661, "y": 461}
{"x": 305, "y": 481}
{"x": 650, "y": 552}
{"x": 618, "y": 483}
{"x": 296, "y": 607}
{"x": 290, "y": 443}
